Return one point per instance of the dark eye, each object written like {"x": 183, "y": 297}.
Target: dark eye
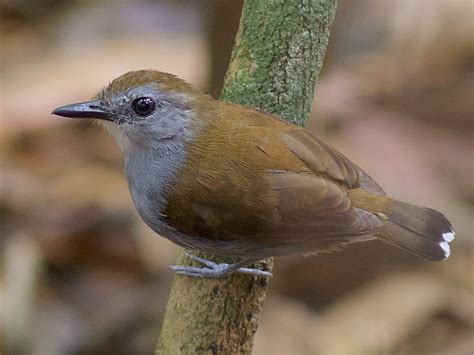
{"x": 143, "y": 106}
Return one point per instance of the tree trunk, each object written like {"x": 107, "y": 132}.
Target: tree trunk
{"x": 278, "y": 53}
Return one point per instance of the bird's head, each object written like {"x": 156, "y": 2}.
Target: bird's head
{"x": 141, "y": 105}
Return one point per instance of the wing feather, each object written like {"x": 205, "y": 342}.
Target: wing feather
{"x": 322, "y": 158}
{"x": 318, "y": 208}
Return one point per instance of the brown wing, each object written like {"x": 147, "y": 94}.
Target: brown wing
{"x": 311, "y": 205}
{"x": 265, "y": 181}
{"x": 322, "y": 158}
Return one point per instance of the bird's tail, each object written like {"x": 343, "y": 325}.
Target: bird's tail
{"x": 420, "y": 230}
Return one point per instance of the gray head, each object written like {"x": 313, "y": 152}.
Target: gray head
{"x": 140, "y": 107}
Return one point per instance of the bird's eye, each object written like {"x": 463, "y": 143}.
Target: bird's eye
{"x": 143, "y": 106}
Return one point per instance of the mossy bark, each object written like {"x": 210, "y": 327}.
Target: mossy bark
{"x": 277, "y": 56}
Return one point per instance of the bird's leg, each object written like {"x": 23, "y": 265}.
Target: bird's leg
{"x": 214, "y": 270}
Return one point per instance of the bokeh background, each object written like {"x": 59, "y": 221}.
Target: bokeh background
{"x": 81, "y": 273}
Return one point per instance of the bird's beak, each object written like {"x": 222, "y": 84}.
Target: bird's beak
{"x": 89, "y": 109}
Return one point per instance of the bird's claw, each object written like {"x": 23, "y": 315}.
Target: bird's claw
{"x": 214, "y": 270}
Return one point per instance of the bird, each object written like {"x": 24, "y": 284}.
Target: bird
{"x": 235, "y": 181}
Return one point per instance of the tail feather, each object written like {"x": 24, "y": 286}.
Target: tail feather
{"x": 420, "y": 230}
{"x": 430, "y": 222}
{"x": 416, "y": 243}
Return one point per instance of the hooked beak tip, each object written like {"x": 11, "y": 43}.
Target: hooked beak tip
{"x": 57, "y": 111}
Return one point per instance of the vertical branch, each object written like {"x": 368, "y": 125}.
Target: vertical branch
{"x": 278, "y": 53}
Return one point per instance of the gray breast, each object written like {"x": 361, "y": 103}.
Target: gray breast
{"x": 150, "y": 174}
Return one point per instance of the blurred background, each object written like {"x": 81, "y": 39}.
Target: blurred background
{"x": 81, "y": 273}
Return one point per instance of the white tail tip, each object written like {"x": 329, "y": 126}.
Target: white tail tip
{"x": 449, "y": 236}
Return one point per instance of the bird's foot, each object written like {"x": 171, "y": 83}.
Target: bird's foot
{"x": 214, "y": 270}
